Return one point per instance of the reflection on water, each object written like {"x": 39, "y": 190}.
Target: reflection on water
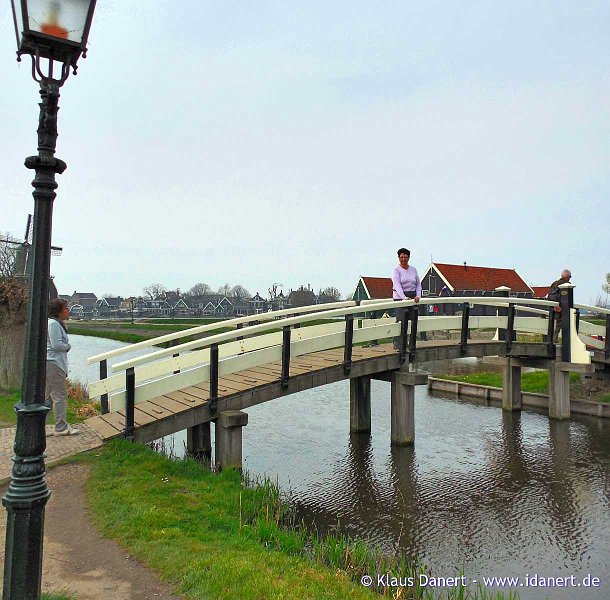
{"x": 84, "y": 346}
{"x": 491, "y": 492}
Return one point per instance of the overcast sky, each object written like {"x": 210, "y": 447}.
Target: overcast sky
{"x": 290, "y": 142}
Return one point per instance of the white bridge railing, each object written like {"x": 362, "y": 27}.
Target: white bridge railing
{"x": 278, "y": 336}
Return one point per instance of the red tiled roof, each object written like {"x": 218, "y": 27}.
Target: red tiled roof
{"x": 378, "y": 287}
{"x": 540, "y": 291}
{"x": 468, "y": 277}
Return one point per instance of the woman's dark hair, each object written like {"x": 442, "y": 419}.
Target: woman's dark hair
{"x": 56, "y": 306}
{"x": 404, "y": 251}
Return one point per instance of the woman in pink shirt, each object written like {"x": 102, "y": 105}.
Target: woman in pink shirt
{"x": 405, "y": 285}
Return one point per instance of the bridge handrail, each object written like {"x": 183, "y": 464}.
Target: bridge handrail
{"x": 266, "y": 316}
{"x": 490, "y": 300}
{"x": 596, "y": 309}
{"x": 303, "y": 318}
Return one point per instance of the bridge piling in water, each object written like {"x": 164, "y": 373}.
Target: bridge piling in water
{"x": 228, "y": 431}
{"x": 559, "y": 390}
{"x": 402, "y": 429}
{"x": 199, "y": 441}
{"x": 511, "y": 385}
{"x": 360, "y": 405}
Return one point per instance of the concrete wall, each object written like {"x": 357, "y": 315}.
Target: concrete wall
{"x": 582, "y": 407}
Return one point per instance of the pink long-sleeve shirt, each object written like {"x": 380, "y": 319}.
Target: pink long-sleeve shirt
{"x": 405, "y": 280}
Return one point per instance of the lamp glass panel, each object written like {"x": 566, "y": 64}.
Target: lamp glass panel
{"x": 63, "y": 19}
{"x": 19, "y": 18}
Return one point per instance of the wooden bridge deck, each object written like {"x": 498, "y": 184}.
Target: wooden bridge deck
{"x": 187, "y": 407}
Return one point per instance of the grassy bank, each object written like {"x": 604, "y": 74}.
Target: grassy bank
{"x": 532, "y": 381}
{"x": 79, "y": 406}
{"x": 538, "y": 382}
{"x": 137, "y": 332}
{"x": 112, "y": 334}
{"x": 212, "y": 537}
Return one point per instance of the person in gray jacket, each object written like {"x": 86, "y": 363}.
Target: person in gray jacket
{"x": 58, "y": 346}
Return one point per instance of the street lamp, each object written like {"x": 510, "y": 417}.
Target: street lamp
{"x": 54, "y": 33}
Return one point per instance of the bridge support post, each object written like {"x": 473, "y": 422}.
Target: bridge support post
{"x": 559, "y": 392}
{"x": 402, "y": 430}
{"x": 199, "y": 441}
{"x": 360, "y": 404}
{"x": 229, "y": 438}
{"x": 511, "y": 386}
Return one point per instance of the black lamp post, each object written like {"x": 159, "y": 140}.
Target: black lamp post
{"x": 54, "y": 33}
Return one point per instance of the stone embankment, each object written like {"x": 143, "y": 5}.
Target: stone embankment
{"x": 492, "y": 395}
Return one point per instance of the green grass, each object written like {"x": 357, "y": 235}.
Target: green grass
{"x": 56, "y": 596}
{"x": 78, "y": 409}
{"x": 119, "y": 336}
{"x": 185, "y": 321}
{"x": 596, "y": 321}
{"x": 606, "y": 398}
{"x": 532, "y": 381}
{"x": 211, "y": 536}
{"x": 203, "y": 532}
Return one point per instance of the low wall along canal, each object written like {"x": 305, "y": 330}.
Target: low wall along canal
{"x": 531, "y": 399}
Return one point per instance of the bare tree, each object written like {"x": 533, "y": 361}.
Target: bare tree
{"x": 329, "y": 294}
{"x": 200, "y": 289}
{"x": 225, "y": 290}
{"x": 13, "y": 304}
{"x": 602, "y": 299}
{"x": 154, "y": 290}
{"x": 239, "y": 291}
{"x": 9, "y": 247}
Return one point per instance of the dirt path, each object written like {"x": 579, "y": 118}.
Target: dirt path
{"x": 76, "y": 558}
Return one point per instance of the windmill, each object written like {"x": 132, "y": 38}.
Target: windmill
{"x": 16, "y": 256}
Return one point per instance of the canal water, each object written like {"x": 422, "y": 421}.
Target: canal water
{"x": 482, "y": 491}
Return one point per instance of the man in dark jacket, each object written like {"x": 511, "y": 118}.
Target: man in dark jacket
{"x": 554, "y": 294}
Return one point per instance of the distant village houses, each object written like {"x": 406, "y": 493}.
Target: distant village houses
{"x": 86, "y": 305}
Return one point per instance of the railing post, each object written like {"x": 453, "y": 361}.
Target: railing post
{"x": 285, "y": 356}
{"x": 577, "y": 320}
{"x": 240, "y": 326}
{"x": 104, "y": 375}
{"x": 176, "y": 355}
{"x": 550, "y": 332}
{"x": 413, "y": 341}
{"x": 296, "y": 325}
{"x": 503, "y": 292}
{"x": 566, "y": 302}
{"x": 510, "y": 327}
{"x": 130, "y": 384}
{"x": 464, "y": 331}
{"x": 607, "y": 343}
{"x": 349, "y": 340}
{"x": 404, "y": 328}
{"x": 213, "y": 402}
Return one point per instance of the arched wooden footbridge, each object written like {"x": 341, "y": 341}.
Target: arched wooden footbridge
{"x": 216, "y": 377}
